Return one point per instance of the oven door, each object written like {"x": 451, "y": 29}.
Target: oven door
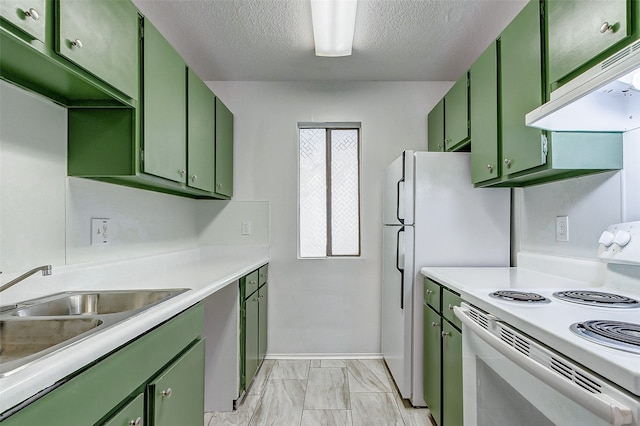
{"x": 509, "y": 379}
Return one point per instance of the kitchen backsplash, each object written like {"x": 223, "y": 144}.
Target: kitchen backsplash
{"x": 45, "y": 216}
{"x": 592, "y": 203}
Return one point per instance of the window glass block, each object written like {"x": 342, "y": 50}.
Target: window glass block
{"x": 313, "y": 193}
{"x": 345, "y": 203}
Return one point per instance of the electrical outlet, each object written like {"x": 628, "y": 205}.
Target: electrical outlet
{"x": 246, "y": 227}
{"x": 100, "y": 232}
{"x": 562, "y": 228}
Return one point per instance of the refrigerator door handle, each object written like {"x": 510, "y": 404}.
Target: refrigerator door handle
{"x": 400, "y": 190}
{"x": 400, "y": 261}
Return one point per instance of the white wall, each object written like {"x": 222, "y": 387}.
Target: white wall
{"x": 45, "y": 216}
{"x": 220, "y": 222}
{"x": 591, "y": 202}
{"x": 322, "y": 306}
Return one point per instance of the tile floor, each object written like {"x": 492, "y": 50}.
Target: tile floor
{"x": 322, "y": 392}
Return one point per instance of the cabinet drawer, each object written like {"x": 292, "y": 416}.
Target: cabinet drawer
{"x": 432, "y": 294}
{"x": 263, "y": 273}
{"x": 251, "y": 283}
{"x": 449, "y": 300}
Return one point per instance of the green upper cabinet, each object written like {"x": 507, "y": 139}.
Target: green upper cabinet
{"x": 580, "y": 30}
{"x": 483, "y": 105}
{"x": 178, "y": 394}
{"x": 30, "y": 16}
{"x": 456, "y": 115}
{"x": 224, "y": 150}
{"x": 101, "y": 36}
{"x": 521, "y": 90}
{"x": 435, "y": 128}
{"x": 164, "y": 108}
{"x": 201, "y": 134}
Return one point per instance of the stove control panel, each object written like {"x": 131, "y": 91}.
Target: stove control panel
{"x": 620, "y": 243}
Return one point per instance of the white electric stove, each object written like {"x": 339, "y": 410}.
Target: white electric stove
{"x": 532, "y": 353}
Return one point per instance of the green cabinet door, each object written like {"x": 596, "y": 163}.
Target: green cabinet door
{"x": 262, "y": 321}
{"x": 164, "y": 108}
{"x": 580, "y": 30}
{"x": 521, "y": 90}
{"x": 451, "y": 376}
{"x": 101, "y": 36}
{"x": 201, "y": 134}
{"x": 27, "y": 15}
{"x": 251, "y": 337}
{"x": 224, "y": 150}
{"x": 456, "y": 114}
{"x": 432, "y": 358}
{"x": 483, "y": 105}
{"x": 435, "y": 128}
{"x": 177, "y": 396}
{"x": 131, "y": 415}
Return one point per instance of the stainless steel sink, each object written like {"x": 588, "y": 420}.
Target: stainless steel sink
{"x": 35, "y": 328}
{"x": 94, "y": 303}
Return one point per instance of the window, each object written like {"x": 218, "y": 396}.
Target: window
{"x": 329, "y": 190}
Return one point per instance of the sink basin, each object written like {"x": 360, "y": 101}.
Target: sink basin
{"x": 19, "y": 340}
{"x": 94, "y": 303}
{"x": 35, "y": 328}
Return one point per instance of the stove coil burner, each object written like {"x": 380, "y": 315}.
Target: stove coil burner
{"x": 519, "y": 296}
{"x": 614, "y": 334}
{"x": 597, "y": 298}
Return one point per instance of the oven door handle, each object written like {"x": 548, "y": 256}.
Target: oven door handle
{"x": 602, "y": 406}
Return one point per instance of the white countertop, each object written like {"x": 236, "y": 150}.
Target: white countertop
{"x": 549, "y": 323}
{"x": 204, "y": 271}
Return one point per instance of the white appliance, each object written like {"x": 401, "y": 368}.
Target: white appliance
{"x": 572, "y": 359}
{"x": 603, "y": 98}
{"x": 432, "y": 217}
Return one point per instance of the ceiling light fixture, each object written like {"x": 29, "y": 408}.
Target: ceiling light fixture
{"x": 333, "y": 26}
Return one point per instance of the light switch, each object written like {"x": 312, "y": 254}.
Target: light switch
{"x": 246, "y": 227}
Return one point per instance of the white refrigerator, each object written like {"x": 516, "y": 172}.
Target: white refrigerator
{"x": 433, "y": 216}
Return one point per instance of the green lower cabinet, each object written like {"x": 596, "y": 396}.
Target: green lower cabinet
{"x": 452, "y": 407}
{"x": 224, "y": 150}
{"x": 95, "y": 395}
{"x": 263, "y": 297}
{"x": 178, "y": 394}
{"x": 251, "y": 337}
{"x": 30, "y": 16}
{"x": 132, "y": 414}
{"x": 435, "y": 128}
{"x": 253, "y": 324}
{"x": 101, "y": 36}
{"x": 432, "y": 364}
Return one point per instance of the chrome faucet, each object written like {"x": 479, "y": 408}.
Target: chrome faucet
{"x": 46, "y": 270}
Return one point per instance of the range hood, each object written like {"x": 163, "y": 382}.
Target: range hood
{"x": 606, "y": 98}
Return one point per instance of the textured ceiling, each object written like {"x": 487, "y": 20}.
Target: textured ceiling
{"x": 272, "y": 40}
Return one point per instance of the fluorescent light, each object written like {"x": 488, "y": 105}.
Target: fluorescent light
{"x": 333, "y": 25}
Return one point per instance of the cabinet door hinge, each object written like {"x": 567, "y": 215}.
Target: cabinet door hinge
{"x": 141, "y": 32}
{"x": 544, "y": 148}
{"x": 141, "y": 158}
